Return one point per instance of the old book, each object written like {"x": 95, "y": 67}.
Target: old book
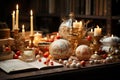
{"x": 88, "y": 7}
{"x": 14, "y": 65}
{"x": 101, "y": 7}
{"x": 82, "y": 7}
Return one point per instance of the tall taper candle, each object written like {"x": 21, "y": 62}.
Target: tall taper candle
{"x": 13, "y": 20}
{"x": 17, "y": 17}
{"x": 31, "y": 22}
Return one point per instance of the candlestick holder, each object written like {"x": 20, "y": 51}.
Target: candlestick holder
{"x": 16, "y": 31}
{"x": 96, "y": 43}
{"x": 18, "y": 41}
{"x": 31, "y": 41}
{"x": 73, "y": 40}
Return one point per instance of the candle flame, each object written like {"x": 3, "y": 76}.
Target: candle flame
{"x": 97, "y": 26}
{"x": 76, "y": 21}
{"x": 17, "y": 6}
{"x": 80, "y": 22}
{"x": 91, "y": 30}
{"x": 37, "y": 33}
{"x": 23, "y": 26}
{"x": 112, "y": 35}
{"x": 13, "y": 13}
{"x": 31, "y": 12}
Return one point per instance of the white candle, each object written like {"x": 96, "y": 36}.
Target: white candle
{"x": 97, "y": 31}
{"x": 80, "y": 26}
{"x": 75, "y": 24}
{"x": 17, "y": 17}
{"x": 13, "y": 20}
{"x": 23, "y": 30}
{"x": 31, "y": 22}
{"x": 37, "y": 38}
{"x": 112, "y": 35}
{"x": 91, "y": 33}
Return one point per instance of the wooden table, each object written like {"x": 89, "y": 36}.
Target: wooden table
{"x": 101, "y": 71}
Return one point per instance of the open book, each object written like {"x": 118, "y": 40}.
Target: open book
{"x": 13, "y": 65}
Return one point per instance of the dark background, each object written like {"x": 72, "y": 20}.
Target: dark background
{"x": 45, "y": 22}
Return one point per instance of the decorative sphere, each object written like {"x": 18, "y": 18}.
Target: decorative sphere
{"x": 83, "y": 52}
{"x": 60, "y": 49}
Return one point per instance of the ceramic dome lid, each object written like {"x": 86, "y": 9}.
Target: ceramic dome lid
{"x": 112, "y": 40}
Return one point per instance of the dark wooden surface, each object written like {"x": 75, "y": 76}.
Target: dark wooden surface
{"x": 104, "y": 72}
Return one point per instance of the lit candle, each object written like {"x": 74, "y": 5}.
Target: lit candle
{"x": 37, "y": 38}
{"x": 17, "y": 16}
{"x": 75, "y": 24}
{"x": 31, "y": 22}
{"x": 80, "y": 26}
{"x": 13, "y": 20}
{"x": 97, "y": 31}
{"x": 112, "y": 35}
{"x": 23, "y": 30}
{"x": 91, "y": 30}
{"x": 91, "y": 33}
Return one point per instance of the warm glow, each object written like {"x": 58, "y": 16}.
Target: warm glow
{"x": 37, "y": 33}
{"x": 13, "y": 13}
{"x": 31, "y": 22}
{"x": 17, "y": 17}
{"x": 112, "y": 35}
{"x": 91, "y": 30}
{"x": 80, "y": 22}
{"x": 31, "y": 12}
{"x": 13, "y": 20}
{"x": 97, "y": 31}
{"x": 23, "y": 26}
{"x": 17, "y": 6}
{"x": 23, "y": 30}
{"x": 97, "y": 26}
{"x": 45, "y": 38}
{"x": 76, "y": 21}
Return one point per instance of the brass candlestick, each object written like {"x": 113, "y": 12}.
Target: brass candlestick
{"x": 18, "y": 41}
{"x": 31, "y": 41}
{"x": 73, "y": 40}
{"x": 96, "y": 43}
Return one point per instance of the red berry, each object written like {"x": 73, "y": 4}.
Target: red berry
{"x": 45, "y": 62}
{"x": 7, "y": 49}
{"x": 18, "y": 53}
{"x": 39, "y": 60}
{"x": 46, "y": 48}
{"x": 52, "y": 63}
{"x": 82, "y": 63}
{"x": 58, "y": 37}
{"x": 104, "y": 56}
{"x": 46, "y": 54}
{"x": 15, "y": 56}
{"x": 89, "y": 38}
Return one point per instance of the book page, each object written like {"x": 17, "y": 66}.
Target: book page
{"x": 41, "y": 64}
{"x": 14, "y": 65}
